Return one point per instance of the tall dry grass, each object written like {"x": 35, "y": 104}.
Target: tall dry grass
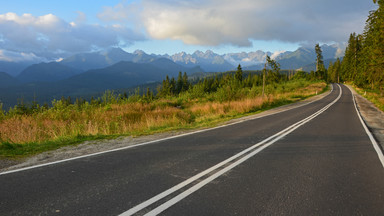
{"x": 136, "y": 118}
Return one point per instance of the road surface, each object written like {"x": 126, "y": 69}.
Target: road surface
{"x": 316, "y": 159}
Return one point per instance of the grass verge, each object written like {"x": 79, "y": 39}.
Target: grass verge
{"x": 371, "y": 95}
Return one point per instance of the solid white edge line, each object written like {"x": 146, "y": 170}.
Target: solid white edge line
{"x": 196, "y": 187}
{"x": 197, "y": 176}
{"x": 373, "y": 140}
{"x": 149, "y": 142}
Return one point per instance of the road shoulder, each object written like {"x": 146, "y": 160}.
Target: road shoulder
{"x": 372, "y": 116}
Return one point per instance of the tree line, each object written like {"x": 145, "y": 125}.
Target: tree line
{"x": 363, "y": 62}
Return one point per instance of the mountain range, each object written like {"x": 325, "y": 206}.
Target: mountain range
{"x": 91, "y": 73}
{"x": 122, "y": 75}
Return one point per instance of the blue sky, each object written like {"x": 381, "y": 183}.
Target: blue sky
{"x": 55, "y": 28}
{"x": 66, "y": 10}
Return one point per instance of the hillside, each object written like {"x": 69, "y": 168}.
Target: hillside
{"x": 47, "y": 72}
{"x": 7, "y": 80}
{"x": 122, "y": 75}
{"x": 14, "y": 68}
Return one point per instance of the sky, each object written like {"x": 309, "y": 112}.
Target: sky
{"x": 48, "y": 29}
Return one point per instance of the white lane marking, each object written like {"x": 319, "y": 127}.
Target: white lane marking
{"x": 151, "y": 142}
{"x": 196, "y": 187}
{"x": 373, "y": 141}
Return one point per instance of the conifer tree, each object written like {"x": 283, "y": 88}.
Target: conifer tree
{"x": 149, "y": 95}
{"x": 186, "y": 83}
{"x": 330, "y": 72}
{"x": 172, "y": 86}
{"x": 239, "y": 74}
{"x": 179, "y": 83}
{"x": 337, "y": 69}
{"x": 164, "y": 90}
{"x": 273, "y": 76}
{"x": 320, "y": 69}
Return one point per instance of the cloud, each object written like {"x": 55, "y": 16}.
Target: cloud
{"x": 81, "y": 17}
{"x": 218, "y": 22}
{"x": 277, "y": 53}
{"x": 48, "y": 34}
{"x": 124, "y": 12}
{"x": 10, "y": 56}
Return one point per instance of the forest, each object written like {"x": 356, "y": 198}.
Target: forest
{"x": 363, "y": 62}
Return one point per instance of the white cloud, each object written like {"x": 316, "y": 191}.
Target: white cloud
{"x": 218, "y": 22}
{"x": 10, "y": 56}
{"x": 340, "y": 49}
{"x": 126, "y": 12}
{"x": 277, "y": 53}
{"x": 48, "y": 34}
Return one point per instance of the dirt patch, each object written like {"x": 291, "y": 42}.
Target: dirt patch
{"x": 91, "y": 147}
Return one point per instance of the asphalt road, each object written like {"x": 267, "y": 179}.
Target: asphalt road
{"x": 316, "y": 159}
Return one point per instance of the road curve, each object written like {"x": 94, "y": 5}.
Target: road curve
{"x": 316, "y": 159}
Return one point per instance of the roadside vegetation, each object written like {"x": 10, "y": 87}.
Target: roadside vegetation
{"x": 373, "y": 95}
{"x": 177, "y": 104}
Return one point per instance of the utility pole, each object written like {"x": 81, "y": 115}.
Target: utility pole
{"x": 265, "y": 68}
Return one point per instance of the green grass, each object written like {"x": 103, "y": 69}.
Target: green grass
{"x": 14, "y": 150}
{"x": 372, "y": 95}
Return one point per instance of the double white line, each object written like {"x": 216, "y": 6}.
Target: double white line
{"x": 220, "y": 168}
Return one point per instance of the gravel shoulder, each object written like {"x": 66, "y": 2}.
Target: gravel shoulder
{"x": 367, "y": 109}
{"x": 372, "y": 116}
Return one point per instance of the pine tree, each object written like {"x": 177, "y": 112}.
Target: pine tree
{"x": 330, "y": 72}
{"x": 348, "y": 58}
{"x": 239, "y": 74}
{"x": 186, "y": 83}
{"x": 179, "y": 83}
{"x": 273, "y": 76}
{"x": 149, "y": 95}
{"x": 337, "y": 69}
{"x": 164, "y": 90}
{"x": 320, "y": 69}
{"x": 172, "y": 86}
